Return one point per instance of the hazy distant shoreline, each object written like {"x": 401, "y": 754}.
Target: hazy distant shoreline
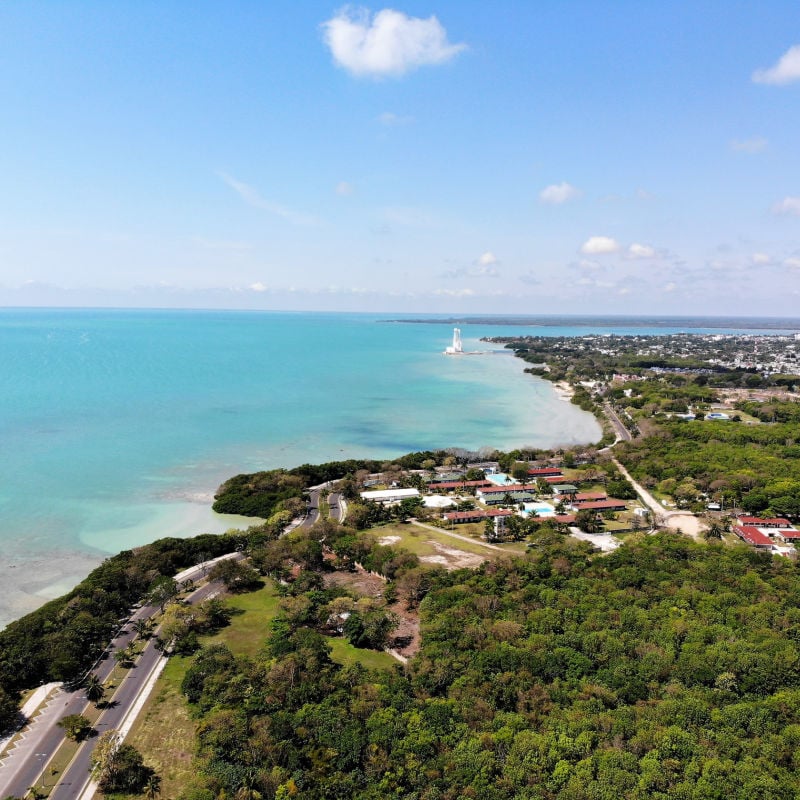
{"x": 584, "y": 321}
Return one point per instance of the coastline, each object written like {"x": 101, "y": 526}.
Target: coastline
{"x": 118, "y": 462}
{"x": 564, "y": 390}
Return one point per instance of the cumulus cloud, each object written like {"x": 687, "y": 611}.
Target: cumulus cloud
{"x": 259, "y": 287}
{"x": 755, "y": 144}
{"x": 641, "y": 251}
{"x": 558, "y": 193}
{"x": 599, "y": 245}
{"x": 391, "y": 120}
{"x": 760, "y": 258}
{"x": 789, "y": 205}
{"x": 792, "y": 263}
{"x": 670, "y": 287}
{"x": 785, "y": 71}
{"x": 345, "y": 189}
{"x": 389, "y": 43}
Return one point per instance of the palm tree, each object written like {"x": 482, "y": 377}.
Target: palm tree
{"x": 95, "y": 691}
{"x": 152, "y": 788}
{"x": 142, "y": 627}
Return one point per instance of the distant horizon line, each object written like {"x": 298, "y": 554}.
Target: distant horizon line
{"x": 485, "y": 318}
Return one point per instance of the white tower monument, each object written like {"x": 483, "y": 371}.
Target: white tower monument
{"x": 456, "y": 347}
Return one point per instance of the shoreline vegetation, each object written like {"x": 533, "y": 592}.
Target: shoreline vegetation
{"x": 666, "y": 668}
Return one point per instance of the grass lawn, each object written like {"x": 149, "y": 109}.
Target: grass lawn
{"x": 250, "y": 627}
{"x": 342, "y": 652}
{"x": 164, "y": 731}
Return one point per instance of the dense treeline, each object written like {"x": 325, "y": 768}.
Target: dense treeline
{"x": 261, "y": 494}
{"x": 757, "y": 466}
{"x": 60, "y": 640}
{"x": 667, "y": 669}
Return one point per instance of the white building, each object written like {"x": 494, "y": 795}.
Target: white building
{"x": 389, "y": 495}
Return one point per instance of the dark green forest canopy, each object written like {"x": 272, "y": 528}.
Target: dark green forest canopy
{"x": 260, "y": 494}
{"x": 668, "y": 669}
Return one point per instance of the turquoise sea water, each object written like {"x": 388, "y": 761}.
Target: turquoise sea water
{"x": 117, "y": 426}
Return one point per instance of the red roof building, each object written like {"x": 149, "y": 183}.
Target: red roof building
{"x": 771, "y": 522}
{"x": 753, "y": 536}
{"x": 543, "y": 472}
{"x": 584, "y": 496}
{"x": 600, "y": 505}
{"x": 434, "y": 485}
{"x": 511, "y": 487}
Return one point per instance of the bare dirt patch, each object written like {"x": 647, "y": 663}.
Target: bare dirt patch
{"x": 405, "y": 638}
{"x": 360, "y": 581}
{"x": 451, "y": 558}
{"x": 387, "y": 540}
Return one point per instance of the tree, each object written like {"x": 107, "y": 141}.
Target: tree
{"x": 118, "y": 767}
{"x": 520, "y": 472}
{"x": 588, "y": 521}
{"x": 236, "y": 575}
{"x": 152, "y": 788}
{"x": 94, "y": 689}
{"x": 8, "y": 710}
{"x": 143, "y": 628}
{"x": 162, "y": 590}
{"x": 76, "y": 727}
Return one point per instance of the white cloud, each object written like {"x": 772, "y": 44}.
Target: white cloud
{"x": 258, "y": 287}
{"x": 388, "y": 43}
{"x": 792, "y": 263}
{"x": 670, "y": 287}
{"x": 599, "y": 245}
{"x": 345, "y": 189}
{"x": 760, "y": 258}
{"x": 754, "y": 144}
{"x": 789, "y": 205}
{"x": 391, "y": 120}
{"x": 641, "y": 251}
{"x": 485, "y": 266}
{"x": 253, "y": 198}
{"x": 454, "y": 292}
{"x": 786, "y": 70}
{"x": 558, "y": 193}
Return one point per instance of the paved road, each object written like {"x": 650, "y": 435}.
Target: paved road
{"x": 335, "y": 507}
{"x": 623, "y": 434}
{"x": 75, "y": 778}
{"x": 313, "y": 507}
{"x": 25, "y": 764}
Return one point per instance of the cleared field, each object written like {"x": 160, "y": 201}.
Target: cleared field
{"x": 419, "y": 540}
{"x": 342, "y": 652}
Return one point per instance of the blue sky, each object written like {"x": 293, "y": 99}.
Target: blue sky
{"x": 462, "y": 157}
